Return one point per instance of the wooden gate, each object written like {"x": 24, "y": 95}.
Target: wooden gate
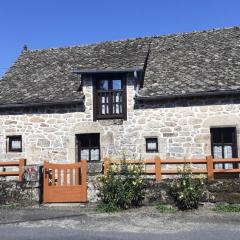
{"x": 65, "y": 182}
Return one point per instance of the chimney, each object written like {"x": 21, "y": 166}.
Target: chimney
{"x": 25, "y": 48}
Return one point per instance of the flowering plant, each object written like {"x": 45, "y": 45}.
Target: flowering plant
{"x": 123, "y": 186}
{"x": 187, "y": 191}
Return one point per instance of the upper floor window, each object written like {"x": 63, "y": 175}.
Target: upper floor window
{"x": 109, "y": 98}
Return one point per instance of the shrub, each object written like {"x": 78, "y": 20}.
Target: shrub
{"x": 123, "y": 186}
{"x": 186, "y": 191}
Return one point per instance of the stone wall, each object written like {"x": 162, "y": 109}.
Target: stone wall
{"x": 18, "y": 193}
{"x": 181, "y": 126}
{"x": 225, "y": 190}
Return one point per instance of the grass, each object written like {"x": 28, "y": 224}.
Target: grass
{"x": 106, "y": 208}
{"x": 164, "y": 208}
{"x": 9, "y": 206}
{"x": 221, "y": 208}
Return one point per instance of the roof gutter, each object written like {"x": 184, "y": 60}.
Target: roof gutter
{"x": 21, "y": 105}
{"x": 138, "y": 97}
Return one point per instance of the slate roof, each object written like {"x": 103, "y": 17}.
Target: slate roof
{"x": 47, "y": 76}
{"x": 197, "y": 62}
{"x": 178, "y": 64}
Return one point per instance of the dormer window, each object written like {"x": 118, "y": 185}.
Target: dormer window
{"x": 110, "y": 98}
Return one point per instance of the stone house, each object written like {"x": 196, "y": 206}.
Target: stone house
{"x": 176, "y": 96}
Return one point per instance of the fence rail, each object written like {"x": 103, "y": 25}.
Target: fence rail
{"x": 18, "y": 163}
{"x": 158, "y": 171}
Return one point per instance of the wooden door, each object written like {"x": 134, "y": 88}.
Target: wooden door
{"x": 65, "y": 182}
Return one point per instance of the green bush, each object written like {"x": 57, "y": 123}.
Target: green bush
{"x": 123, "y": 186}
{"x": 186, "y": 191}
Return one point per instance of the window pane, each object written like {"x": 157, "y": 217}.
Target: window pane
{"x": 105, "y": 98}
{"x": 85, "y": 154}
{"x": 103, "y": 85}
{"x": 16, "y": 144}
{"x": 116, "y": 109}
{"x": 216, "y": 135}
{"x": 105, "y": 109}
{"x": 94, "y": 140}
{"x": 95, "y": 154}
{"x": 228, "y": 135}
{"x": 227, "y": 151}
{"x": 84, "y": 141}
{"x": 151, "y": 144}
{"x": 228, "y": 154}
{"x": 120, "y": 108}
{"x": 117, "y": 97}
{"x": 117, "y": 84}
{"x": 217, "y": 152}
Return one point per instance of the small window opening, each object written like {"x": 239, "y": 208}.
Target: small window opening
{"x": 151, "y": 145}
{"x": 14, "y": 143}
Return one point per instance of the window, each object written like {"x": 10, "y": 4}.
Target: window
{"x": 151, "y": 145}
{"x": 14, "y": 143}
{"x": 88, "y": 147}
{"x": 109, "y": 98}
{"x": 224, "y": 145}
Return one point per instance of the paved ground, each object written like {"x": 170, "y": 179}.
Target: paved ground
{"x": 144, "y": 223}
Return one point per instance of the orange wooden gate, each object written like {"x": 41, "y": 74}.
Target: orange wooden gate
{"x": 65, "y": 182}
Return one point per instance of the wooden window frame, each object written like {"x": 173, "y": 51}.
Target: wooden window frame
{"x": 10, "y": 139}
{"x": 89, "y": 148}
{"x": 151, "y": 150}
{"x": 222, "y": 144}
{"x": 96, "y": 102}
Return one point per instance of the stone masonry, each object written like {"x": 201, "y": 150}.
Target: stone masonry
{"x": 182, "y": 128}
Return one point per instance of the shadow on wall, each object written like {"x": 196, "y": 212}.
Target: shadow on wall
{"x": 187, "y": 102}
{"x": 47, "y": 109}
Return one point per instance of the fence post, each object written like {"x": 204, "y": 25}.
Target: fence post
{"x": 45, "y": 181}
{"x": 106, "y": 165}
{"x": 210, "y": 168}
{"x": 84, "y": 179}
{"x": 22, "y": 163}
{"x": 158, "y": 168}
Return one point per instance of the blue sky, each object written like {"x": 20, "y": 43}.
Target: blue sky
{"x": 55, "y": 23}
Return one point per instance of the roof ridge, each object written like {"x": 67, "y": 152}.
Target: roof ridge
{"x": 134, "y": 38}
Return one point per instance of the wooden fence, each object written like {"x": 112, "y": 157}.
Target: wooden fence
{"x": 158, "y": 163}
{"x": 18, "y": 163}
